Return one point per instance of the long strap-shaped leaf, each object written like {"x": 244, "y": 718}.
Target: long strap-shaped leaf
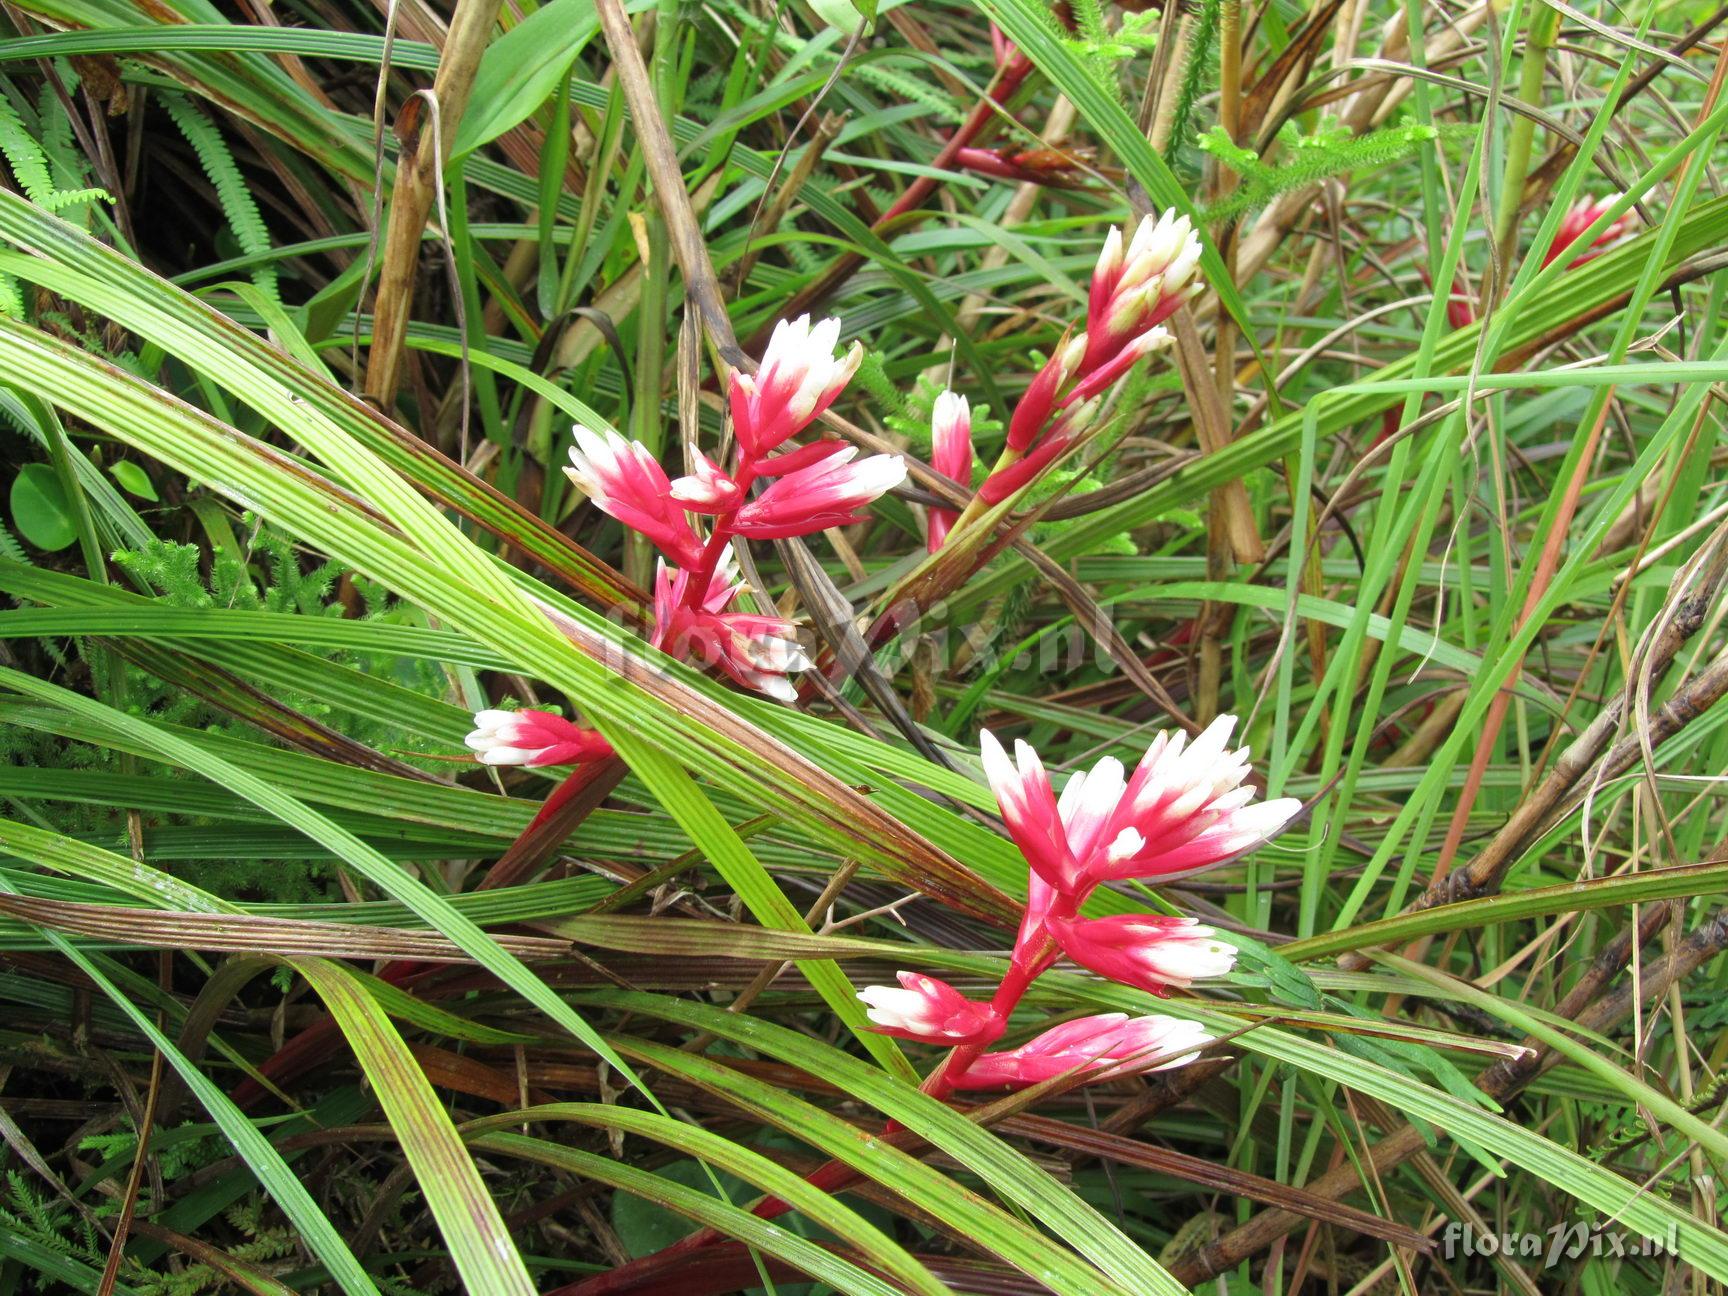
{"x": 434, "y": 564}
{"x": 692, "y": 1203}
{"x": 30, "y": 228}
{"x": 1010, "y": 1174}
{"x": 708, "y": 829}
{"x": 480, "y": 1244}
{"x": 266, "y": 1162}
{"x": 723, "y": 1154}
{"x": 393, "y": 880}
{"x": 980, "y": 1222}
{"x": 1621, "y": 1199}
{"x": 442, "y": 569}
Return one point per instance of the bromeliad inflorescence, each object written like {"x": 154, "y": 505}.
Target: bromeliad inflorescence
{"x": 809, "y": 488}
{"x": 1134, "y": 290}
{"x": 1186, "y": 807}
{"x": 803, "y": 489}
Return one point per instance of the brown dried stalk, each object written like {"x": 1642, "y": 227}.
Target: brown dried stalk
{"x": 417, "y": 183}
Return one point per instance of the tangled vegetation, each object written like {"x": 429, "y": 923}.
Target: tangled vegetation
{"x": 985, "y": 647}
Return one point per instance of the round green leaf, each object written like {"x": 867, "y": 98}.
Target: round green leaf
{"x": 40, "y": 511}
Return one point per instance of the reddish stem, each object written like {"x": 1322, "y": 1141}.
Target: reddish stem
{"x": 703, "y": 576}
{"x": 1012, "y": 72}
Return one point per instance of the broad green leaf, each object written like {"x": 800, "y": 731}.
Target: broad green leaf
{"x": 40, "y": 511}
{"x": 520, "y": 70}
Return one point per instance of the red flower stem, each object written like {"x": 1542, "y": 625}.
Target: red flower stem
{"x": 703, "y": 576}
{"x": 573, "y": 782}
{"x": 1024, "y": 968}
{"x": 983, "y": 115}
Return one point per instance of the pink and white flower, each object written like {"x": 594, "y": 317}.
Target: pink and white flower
{"x": 708, "y": 489}
{"x": 933, "y": 1011}
{"x": 1100, "y": 1047}
{"x": 1134, "y": 290}
{"x": 1028, "y": 804}
{"x": 1184, "y": 809}
{"x": 1189, "y": 808}
{"x": 799, "y": 378}
{"x": 1148, "y": 951}
{"x": 532, "y": 738}
{"x": 626, "y": 482}
{"x": 757, "y": 651}
{"x": 950, "y": 455}
{"x": 1101, "y": 379}
{"x": 1580, "y": 217}
{"x": 831, "y": 492}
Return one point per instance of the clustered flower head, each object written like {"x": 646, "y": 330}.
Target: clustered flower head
{"x": 809, "y": 488}
{"x": 1185, "y": 807}
{"x": 1135, "y": 288}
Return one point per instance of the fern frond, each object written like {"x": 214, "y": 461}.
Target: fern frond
{"x": 24, "y": 155}
{"x": 10, "y": 549}
{"x": 1328, "y": 152}
{"x": 68, "y": 168}
{"x": 232, "y": 191}
{"x": 64, "y": 198}
{"x": 911, "y": 89}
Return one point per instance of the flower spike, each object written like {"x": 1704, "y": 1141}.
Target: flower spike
{"x": 626, "y": 482}
{"x": 799, "y": 378}
{"x": 950, "y": 455}
{"x": 831, "y": 492}
{"x": 1135, "y": 290}
{"x": 1148, "y": 951}
{"x": 532, "y": 738}
{"x": 1100, "y": 1047}
{"x": 1189, "y": 808}
{"x": 931, "y": 1011}
{"x": 1183, "y": 809}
